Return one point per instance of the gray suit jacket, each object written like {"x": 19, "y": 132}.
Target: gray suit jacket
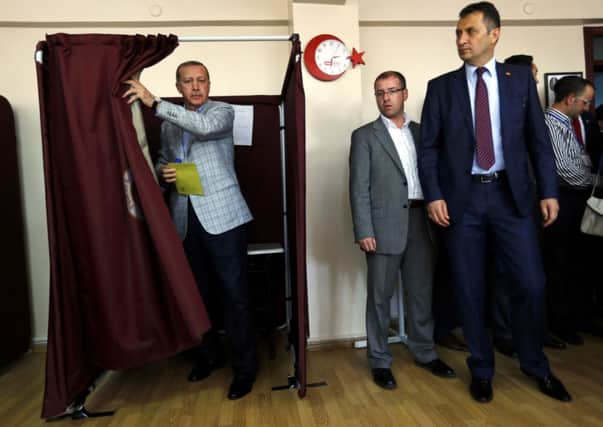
{"x": 211, "y": 148}
{"x": 378, "y": 187}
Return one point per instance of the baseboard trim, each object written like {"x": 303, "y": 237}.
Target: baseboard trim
{"x": 332, "y": 344}
{"x": 39, "y": 344}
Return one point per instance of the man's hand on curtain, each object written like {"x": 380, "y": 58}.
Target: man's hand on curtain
{"x": 138, "y": 91}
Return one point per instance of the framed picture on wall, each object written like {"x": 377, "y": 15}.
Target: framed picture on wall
{"x": 549, "y": 84}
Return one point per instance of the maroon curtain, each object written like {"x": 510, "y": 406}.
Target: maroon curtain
{"x": 295, "y": 154}
{"x": 15, "y": 327}
{"x": 121, "y": 291}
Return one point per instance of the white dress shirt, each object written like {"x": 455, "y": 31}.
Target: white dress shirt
{"x": 491, "y": 80}
{"x": 405, "y": 146}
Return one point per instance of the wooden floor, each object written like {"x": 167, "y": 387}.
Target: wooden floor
{"x": 159, "y": 395}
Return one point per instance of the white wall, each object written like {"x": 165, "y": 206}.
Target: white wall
{"x": 415, "y": 37}
{"x": 444, "y": 10}
{"x": 236, "y": 68}
{"x": 335, "y": 268}
{"x": 397, "y": 48}
{"x": 113, "y": 11}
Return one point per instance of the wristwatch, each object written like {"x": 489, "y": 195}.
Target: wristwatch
{"x": 156, "y": 102}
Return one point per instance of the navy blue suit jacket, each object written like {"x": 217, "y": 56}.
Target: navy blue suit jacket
{"x": 448, "y": 140}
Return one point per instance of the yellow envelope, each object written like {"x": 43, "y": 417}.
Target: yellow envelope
{"x": 188, "y": 180}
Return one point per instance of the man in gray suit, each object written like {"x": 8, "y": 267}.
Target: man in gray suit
{"x": 212, "y": 225}
{"x": 392, "y": 228}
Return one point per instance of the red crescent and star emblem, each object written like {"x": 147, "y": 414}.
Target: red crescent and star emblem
{"x": 356, "y": 57}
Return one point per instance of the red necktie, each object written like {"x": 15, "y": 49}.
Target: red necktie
{"x": 483, "y": 127}
{"x": 578, "y": 130}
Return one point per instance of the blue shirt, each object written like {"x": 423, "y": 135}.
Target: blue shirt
{"x": 186, "y": 137}
{"x": 491, "y": 81}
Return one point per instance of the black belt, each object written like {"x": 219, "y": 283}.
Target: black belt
{"x": 489, "y": 177}
{"x": 414, "y": 203}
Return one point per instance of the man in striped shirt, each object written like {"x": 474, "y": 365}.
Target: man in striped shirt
{"x": 566, "y": 250}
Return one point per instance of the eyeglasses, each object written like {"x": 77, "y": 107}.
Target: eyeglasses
{"x": 381, "y": 93}
{"x": 586, "y": 101}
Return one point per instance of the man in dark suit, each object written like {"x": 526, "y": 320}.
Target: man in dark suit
{"x": 500, "y": 298}
{"x": 391, "y": 227}
{"x": 481, "y": 125}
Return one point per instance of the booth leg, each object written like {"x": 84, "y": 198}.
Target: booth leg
{"x": 77, "y": 410}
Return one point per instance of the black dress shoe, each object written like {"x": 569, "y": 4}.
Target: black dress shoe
{"x": 551, "y": 386}
{"x": 453, "y": 342}
{"x": 593, "y": 329}
{"x": 570, "y": 337}
{"x": 203, "y": 367}
{"x": 239, "y": 387}
{"x": 481, "y": 390}
{"x": 438, "y": 368}
{"x": 551, "y": 341}
{"x": 505, "y": 347}
{"x": 384, "y": 378}
{"x": 200, "y": 371}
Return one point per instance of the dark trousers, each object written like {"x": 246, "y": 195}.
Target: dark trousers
{"x": 445, "y": 312}
{"x": 500, "y": 299}
{"x": 223, "y": 258}
{"x": 491, "y": 218}
{"x": 567, "y": 258}
{"x": 500, "y": 302}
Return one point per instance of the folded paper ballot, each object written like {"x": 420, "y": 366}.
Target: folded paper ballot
{"x": 188, "y": 180}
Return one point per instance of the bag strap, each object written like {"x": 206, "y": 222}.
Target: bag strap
{"x": 592, "y": 193}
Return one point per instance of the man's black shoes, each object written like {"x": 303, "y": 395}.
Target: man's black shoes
{"x": 453, "y": 342}
{"x": 384, "y": 378}
{"x": 570, "y": 337}
{"x": 551, "y": 386}
{"x": 551, "y": 341}
{"x": 239, "y": 387}
{"x": 202, "y": 368}
{"x": 505, "y": 347}
{"x": 200, "y": 371}
{"x": 437, "y": 368}
{"x": 481, "y": 390}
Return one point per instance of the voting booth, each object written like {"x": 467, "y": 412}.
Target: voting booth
{"x": 121, "y": 291}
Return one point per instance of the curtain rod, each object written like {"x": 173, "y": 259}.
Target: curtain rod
{"x": 292, "y": 37}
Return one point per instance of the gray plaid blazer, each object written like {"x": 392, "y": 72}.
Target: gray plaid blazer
{"x": 211, "y": 148}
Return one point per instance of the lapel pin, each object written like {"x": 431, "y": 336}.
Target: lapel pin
{"x": 508, "y": 73}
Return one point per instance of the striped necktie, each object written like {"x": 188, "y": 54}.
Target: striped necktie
{"x": 578, "y": 130}
{"x": 483, "y": 127}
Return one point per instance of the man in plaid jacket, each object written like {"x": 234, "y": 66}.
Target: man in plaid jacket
{"x": 212, "y": 225}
